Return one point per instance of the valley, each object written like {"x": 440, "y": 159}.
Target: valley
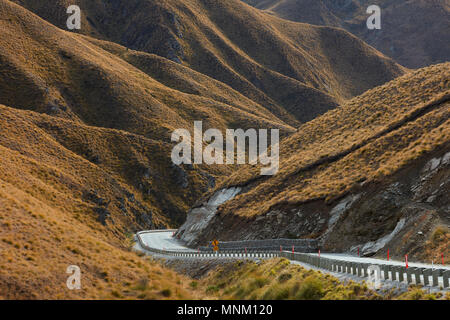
{"x": 355, "y": 159}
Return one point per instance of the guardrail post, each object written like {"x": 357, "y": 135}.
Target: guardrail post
{"x": 426, "y": 277}
{"x": 445, "y": 276}
{"x": 436, "y": 274}
{"x": 386, "y": 270}
{"x": 409, "y": 272}
{"x": 365, "y": 267}
{"x": 417, "y": 275}
{"x": 393, "y": 272}
{"x": 401, "y": 271}
{"x": 357, "y": 270}
{"x": 353, "y": 268}
{"x": 330, "y": 265}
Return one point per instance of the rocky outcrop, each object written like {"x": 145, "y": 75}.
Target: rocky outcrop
{"x": 179, "y": 176}
{"x": 199, "y": 218}
{"x": 399, "y": 214}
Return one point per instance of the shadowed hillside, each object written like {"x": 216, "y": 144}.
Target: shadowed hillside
{"x": 348, "y": 177}
{"x": 296, "y": 71}
{"x": 58, "y": 209}
{"x": 413, "y": 32}
{"x": 88, "y": 86}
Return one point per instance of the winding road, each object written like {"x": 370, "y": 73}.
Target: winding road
{"x": 161, "y": 242}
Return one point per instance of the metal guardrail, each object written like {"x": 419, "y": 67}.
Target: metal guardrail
{"x": 236, "y": 253}
{"x": 299, "y": 245}
{"x": 426, "y": 276}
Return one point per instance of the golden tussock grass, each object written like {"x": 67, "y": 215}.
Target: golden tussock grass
{"x": 278, "y": 279}
{"x": 366, "y": 139}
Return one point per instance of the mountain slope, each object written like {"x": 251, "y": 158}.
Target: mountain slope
{"x": 351, "y": 154}
{"x": 296, "y": 71}
{"x": 58, "y": 209}
{"x": 68, "y": 76}
{"x": 85, "y": 157}
{"x": 414, "y": 32}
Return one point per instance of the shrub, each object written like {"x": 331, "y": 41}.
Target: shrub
{"x": 284, "y": 277}
{"x": 166, "y": 293}
{"x": 310, "y": 289}
{"x": 259, "y": 282}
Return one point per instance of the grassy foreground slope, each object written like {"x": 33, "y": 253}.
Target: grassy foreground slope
{"x": 296, "y": 71}
{"x": 278, "y": 279}
{"x": 48, "y": 223}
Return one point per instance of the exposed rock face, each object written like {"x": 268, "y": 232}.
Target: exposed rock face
{"x": 397, "y": 214}
{"x": 180, "y": 176}
{"x": 372, "y": 247}
{"x": 199, "y": 218}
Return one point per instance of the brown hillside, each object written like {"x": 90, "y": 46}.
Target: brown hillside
{"x": 59, "y": 209}
{"x": 355, "y": 135}
{"x": 296, "y": 71}
{"x": 45, "y": 72}
{"x": 360, "y": 150}
{"x": 414, "y": 32}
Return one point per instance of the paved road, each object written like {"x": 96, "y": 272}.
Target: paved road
{"x": 163, "y": 240}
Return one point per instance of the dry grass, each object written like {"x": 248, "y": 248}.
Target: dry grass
{"x": 413, "y": 32}
{"x": 295, "y": 71}
{"x": 366, "y": 139}
{"x": 47, "y": 224}
{"x": 438, "y": 245}
{"x": 79, "y": 115}
{"x": 38, "y": 242}
{"x": 278, "y": 279}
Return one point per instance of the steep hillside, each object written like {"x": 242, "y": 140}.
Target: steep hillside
{"x": 59, "y": 209}
{"x": 359, "y": 171}
{"x": 414, "y": 32}
{"x": 295, "y": 71}
{"x": 85, "y": 157}
{"x": 86, "y": 121}
{"x": 42, "y": 70}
